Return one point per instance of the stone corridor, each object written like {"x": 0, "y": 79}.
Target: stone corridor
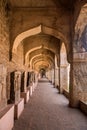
{"x": 43, "y": 39}
{"x": 48, "y": 110}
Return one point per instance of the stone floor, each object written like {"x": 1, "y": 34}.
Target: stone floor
{"x": 48, "y": 110}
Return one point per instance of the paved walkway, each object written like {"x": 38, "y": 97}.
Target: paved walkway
{"x": 48, "y": 110}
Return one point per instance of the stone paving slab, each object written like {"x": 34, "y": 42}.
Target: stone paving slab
{"x": 48, "y": 110}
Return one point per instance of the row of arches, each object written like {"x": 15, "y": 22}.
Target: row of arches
{"x": 49, "y": 31}
{"x": 53, "y": 49}
{"x": 65, "y": 54}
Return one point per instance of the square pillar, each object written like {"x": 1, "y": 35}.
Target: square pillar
{"x": 78, "y": 82}
{"x": 53, "y": 76}
{"x": 64, "y": 78}
{"x": 25, "y": 92}
{"x": 3, "y": 98}
{"x": 56, "y": 77}
{"x": 15, "y": 86}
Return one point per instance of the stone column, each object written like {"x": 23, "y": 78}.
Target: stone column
{"x": 8, "y": 86}
{"x": 31, "y": 77}
{"x": 53, "y": 76}
{"x": 25, "y": 92}
{"x": 36, "y": 77}
{"x": 25, "y": 81}
{"x": 56, "y": 77}
{"x": 31, "y": 83}
{"x": 78, "y": 82}
{"x": 28, "y": 78}
{"x": 64, "y": 78}
{"x": 22, "y": 82}
{"x": 49, "y": 75}
{"x": 3, "y": 98}
{"x": 18, "y": 101}
{"x": 17, "y": 85}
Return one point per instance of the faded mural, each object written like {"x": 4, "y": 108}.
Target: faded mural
{"x": 80, "y": 41}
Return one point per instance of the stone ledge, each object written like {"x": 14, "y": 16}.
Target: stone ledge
{"x": 83, "y": 107}
{"x": 66, "y": 93}
{"x": 19, "y": 107}
{"x": 7, "y": 117}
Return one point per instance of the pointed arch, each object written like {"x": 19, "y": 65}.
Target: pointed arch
{"x": 37, "y": 30}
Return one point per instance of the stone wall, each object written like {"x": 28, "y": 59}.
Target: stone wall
{"x": 5, "y": 46}
{"x": 18, "y": 57}
{"x": 5, "y": 37}
{"x": 80, "y": 80}
{"x": 4, "y": 34}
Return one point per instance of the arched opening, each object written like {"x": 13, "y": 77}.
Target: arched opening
{"x": 39, "y": 29}
{"x": 42, "y": 57}
{"x": 64, "y": 70}
{"x": 35, "y": 31}
{"x": 38, "y": 51}
{"x": 42, "y": 73}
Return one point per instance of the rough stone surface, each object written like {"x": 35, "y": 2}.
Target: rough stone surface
{"x": 4, "y": 34}
{"x": 79, "y": 89}
{"x": 50, "y": 19}
{"x": 48, "y": 110}
{"x": 3, "y": 99}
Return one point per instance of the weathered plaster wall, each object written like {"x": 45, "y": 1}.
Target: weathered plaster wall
{"x": 4, "y": 34}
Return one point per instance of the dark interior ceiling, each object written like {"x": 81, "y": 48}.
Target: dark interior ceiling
{"x": 41, "y": 39}
{"x": 67, "y": 4}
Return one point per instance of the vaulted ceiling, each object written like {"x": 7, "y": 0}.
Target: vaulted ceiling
{"x": 67, "y": 4}
{"x": 41, "y": 48}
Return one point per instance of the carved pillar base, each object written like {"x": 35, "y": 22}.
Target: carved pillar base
{"x": 19, "y": 106}
{"x": 17, "y": 96}
{"x": 25, "y": 95}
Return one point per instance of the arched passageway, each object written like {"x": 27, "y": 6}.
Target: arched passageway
{"x": 43, "y": 39}
{"x": 47, "y": 110}
{"x": 79, "y": 59}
